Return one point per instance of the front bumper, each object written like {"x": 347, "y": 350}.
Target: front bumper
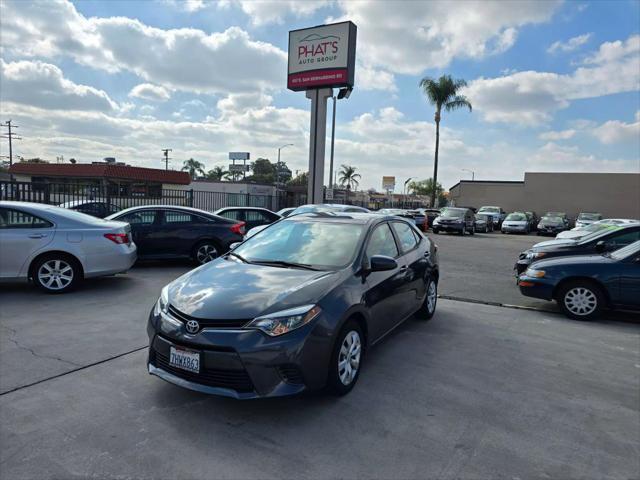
{"x": 509, "y": 229}
{"x": 243, "y": 364}
{"x": 535, "y": 287}
{"x": 549, "y": 230}
{"x": 448, "y": 227}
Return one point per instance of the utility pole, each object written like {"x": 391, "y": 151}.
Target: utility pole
{"x": 166, "y": 157}
{"x": 11, "y": 136}
{"x": 333, "y": 138}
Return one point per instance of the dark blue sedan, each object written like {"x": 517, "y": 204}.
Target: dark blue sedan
{"x": 583, "y": 285}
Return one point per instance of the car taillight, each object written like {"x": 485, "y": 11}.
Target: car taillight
{"x": 239, "y": 228}
{"x": 119, "y": 238}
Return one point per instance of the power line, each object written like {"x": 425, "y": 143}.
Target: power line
{"x": 166, "y": 157}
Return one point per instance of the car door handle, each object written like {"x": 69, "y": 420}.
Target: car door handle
{"x": 37, "y": 235}
{"x": 403, "y": 268}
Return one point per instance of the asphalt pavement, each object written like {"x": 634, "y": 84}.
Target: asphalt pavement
{"x": 477, "y": 392}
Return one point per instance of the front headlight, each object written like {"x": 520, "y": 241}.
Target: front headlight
{"x": 534, "y": 255}
{"x": 532, "y": 272}
{"x": 163, "y": 302}
{"x": 279, "y": 323}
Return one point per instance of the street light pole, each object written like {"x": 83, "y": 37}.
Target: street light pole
{"x": 333, "y": 137}
{"x": 404, "y": 192}
{"x": 278, "y": 164}
{"x": 473, "y": 174}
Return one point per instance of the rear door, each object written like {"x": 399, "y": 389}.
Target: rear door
{"x": 413, "y": 258}
{"x": 22, "y": 235}
{"x": 144, "y": 224}
{"x": 384, "y": 288}
{"x": 178, "y": 233}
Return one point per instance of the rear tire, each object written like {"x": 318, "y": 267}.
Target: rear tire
{"x": 436, "y": 231}
{"x": 56, "y": 273}
{"x": 346, "y": 359}
{"x": 428, "y": 307}
{"x": 473, "y": 230}
{"x": 205, "y": 251}
{"x": 581, "y": 300}
{"x": 462, "y": 232}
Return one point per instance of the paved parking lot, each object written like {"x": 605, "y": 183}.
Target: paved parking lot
{"x": 477, "y": 392}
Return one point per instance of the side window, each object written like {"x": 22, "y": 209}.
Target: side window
{"x": 624, "y": 239}
{"x": 10, "y": 218}
{"x": 144, "y": 217}
{"x": 233, "y": 215}
{"x": 405, "y": 236}
{"x": 256, "y": 216}
{"x": 381, "y": 242}
{"x": 173, "y": 218}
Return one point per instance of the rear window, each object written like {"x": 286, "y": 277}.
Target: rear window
{"x": 452, "y": 212}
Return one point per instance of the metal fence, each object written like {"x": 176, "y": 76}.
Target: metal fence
{"x": 64, "y": 193}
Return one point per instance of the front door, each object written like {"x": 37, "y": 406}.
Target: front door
{"x": 21, "y": 236}
{"x": 414, "y": 289}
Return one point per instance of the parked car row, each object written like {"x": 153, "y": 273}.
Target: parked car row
{"x": 585, "y": 274}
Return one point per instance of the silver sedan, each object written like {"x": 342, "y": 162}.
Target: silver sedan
{"x": 57, "y": 248}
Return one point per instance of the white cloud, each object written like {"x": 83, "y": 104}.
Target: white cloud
{"x": 559, "y": 135}
{"x": 148, "y": 91}
{"x": 410, "y": 37}
{"x": 615, "y": 131}
{"x": 570, "y": 45}
{"x": 531, "y": 98}
{"x": 184, "y": 59}
{"x": 368, "y": 78}
{"x": 274, "y": 11}
{"x": 43, "y": 85}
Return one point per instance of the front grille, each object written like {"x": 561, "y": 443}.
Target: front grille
{"x": 291, "y": 374}
{"x": 237, "y": 380}
{"x": 206, "y": 322}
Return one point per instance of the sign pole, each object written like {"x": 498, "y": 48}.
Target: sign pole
{"x": 317, "y": 142}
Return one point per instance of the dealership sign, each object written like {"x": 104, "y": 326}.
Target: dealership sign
{"x": 388, "y": 183}
{"x": 322, "y": 57}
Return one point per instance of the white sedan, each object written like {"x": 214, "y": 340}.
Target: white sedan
{"x": 578, "y": 232}
{"x": 57, "y": 248}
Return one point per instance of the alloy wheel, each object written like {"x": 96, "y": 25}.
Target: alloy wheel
{"x": 432, "y": 297}
{"x": 349, "y": 357}
{"x": 206, "y": 253}
{"x": 55, "y": 274}
{"x": 581, "y": 301}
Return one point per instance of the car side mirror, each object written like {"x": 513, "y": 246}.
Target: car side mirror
{"x": 234, "y": 245}
{"x": 601, "y": 246}
{"x": 382, "y": 263}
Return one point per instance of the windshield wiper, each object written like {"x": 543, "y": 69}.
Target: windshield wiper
{"x": 237, "y": 255}
{"x": 282, "y": 263}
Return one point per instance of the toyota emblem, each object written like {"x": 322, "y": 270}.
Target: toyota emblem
{"x": 192, "y": 326}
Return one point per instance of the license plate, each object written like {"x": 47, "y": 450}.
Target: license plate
{"x": 188, "y": 360}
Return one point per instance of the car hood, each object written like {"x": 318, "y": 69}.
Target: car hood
{"x": 570, "y": 234}
{"x": 448, "y": 219}
{"x": 515, "y": 223}
{"x": 227, "y": 289}
{"x": 554, "y": 242}
{"x": 574, "y": 260}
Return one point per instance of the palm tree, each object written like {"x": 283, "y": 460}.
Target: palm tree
{"x": 443, "y": 93}
{"x": 347, "y": 175}
{"x": 217, "y": 173}
{"x": 193, "y": 167}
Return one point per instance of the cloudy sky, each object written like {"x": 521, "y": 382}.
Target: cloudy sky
{"x": 554, "y": 86}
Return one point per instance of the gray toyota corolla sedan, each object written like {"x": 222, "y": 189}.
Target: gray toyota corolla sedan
{"x": 295, "y": 307}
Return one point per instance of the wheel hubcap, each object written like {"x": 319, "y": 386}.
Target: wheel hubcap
{"x": 55, "y": 274}
{"x": 580, "y": 301}
{"x": 206, "y": 253}
{"x": 349, "y": 358}
{"x": 431, "y": 297}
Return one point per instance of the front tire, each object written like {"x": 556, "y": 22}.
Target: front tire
{"x": 473, "y": 230}
{"x": 462, "y": 232}
{"x": 436, "y": 231}
{"x": 56, "y": 273}
{"x": 346, "y": 359}
{"x": 581, "y": 300}
{"x": 429, "y": 305}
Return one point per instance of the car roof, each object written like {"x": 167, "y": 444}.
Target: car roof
{"x": 345, "y": 217}
{"x": 75, "y": 203}
{"x": 262, "y": 209}
{"x": 164, "y": 207}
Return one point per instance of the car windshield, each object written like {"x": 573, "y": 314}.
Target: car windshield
{"x": 480, "y": 216}
{"x": 391, "y": 211}
{"x": 555, "y": 214}
{"x": 452, "y": 212}
{"x": 551, "y": 220}
{"x": 490, "y": 209}
{"x": 324, "y": 245}
{"x": 516, "y": 217}
{"x": 589, "y": 216}
{"x": 627, "y": 251}
{"x": 597, "y": 234}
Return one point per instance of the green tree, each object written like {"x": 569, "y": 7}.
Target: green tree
{"x": 443, "y": 93}
{"x": 301, "y": 180}
{"x": 263, "y": 171}
{"x": 425, "y": 187}
{"x": 348, "y": 176}
{"x": 194, "y": 168}
{"x": 217, "y": 173}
